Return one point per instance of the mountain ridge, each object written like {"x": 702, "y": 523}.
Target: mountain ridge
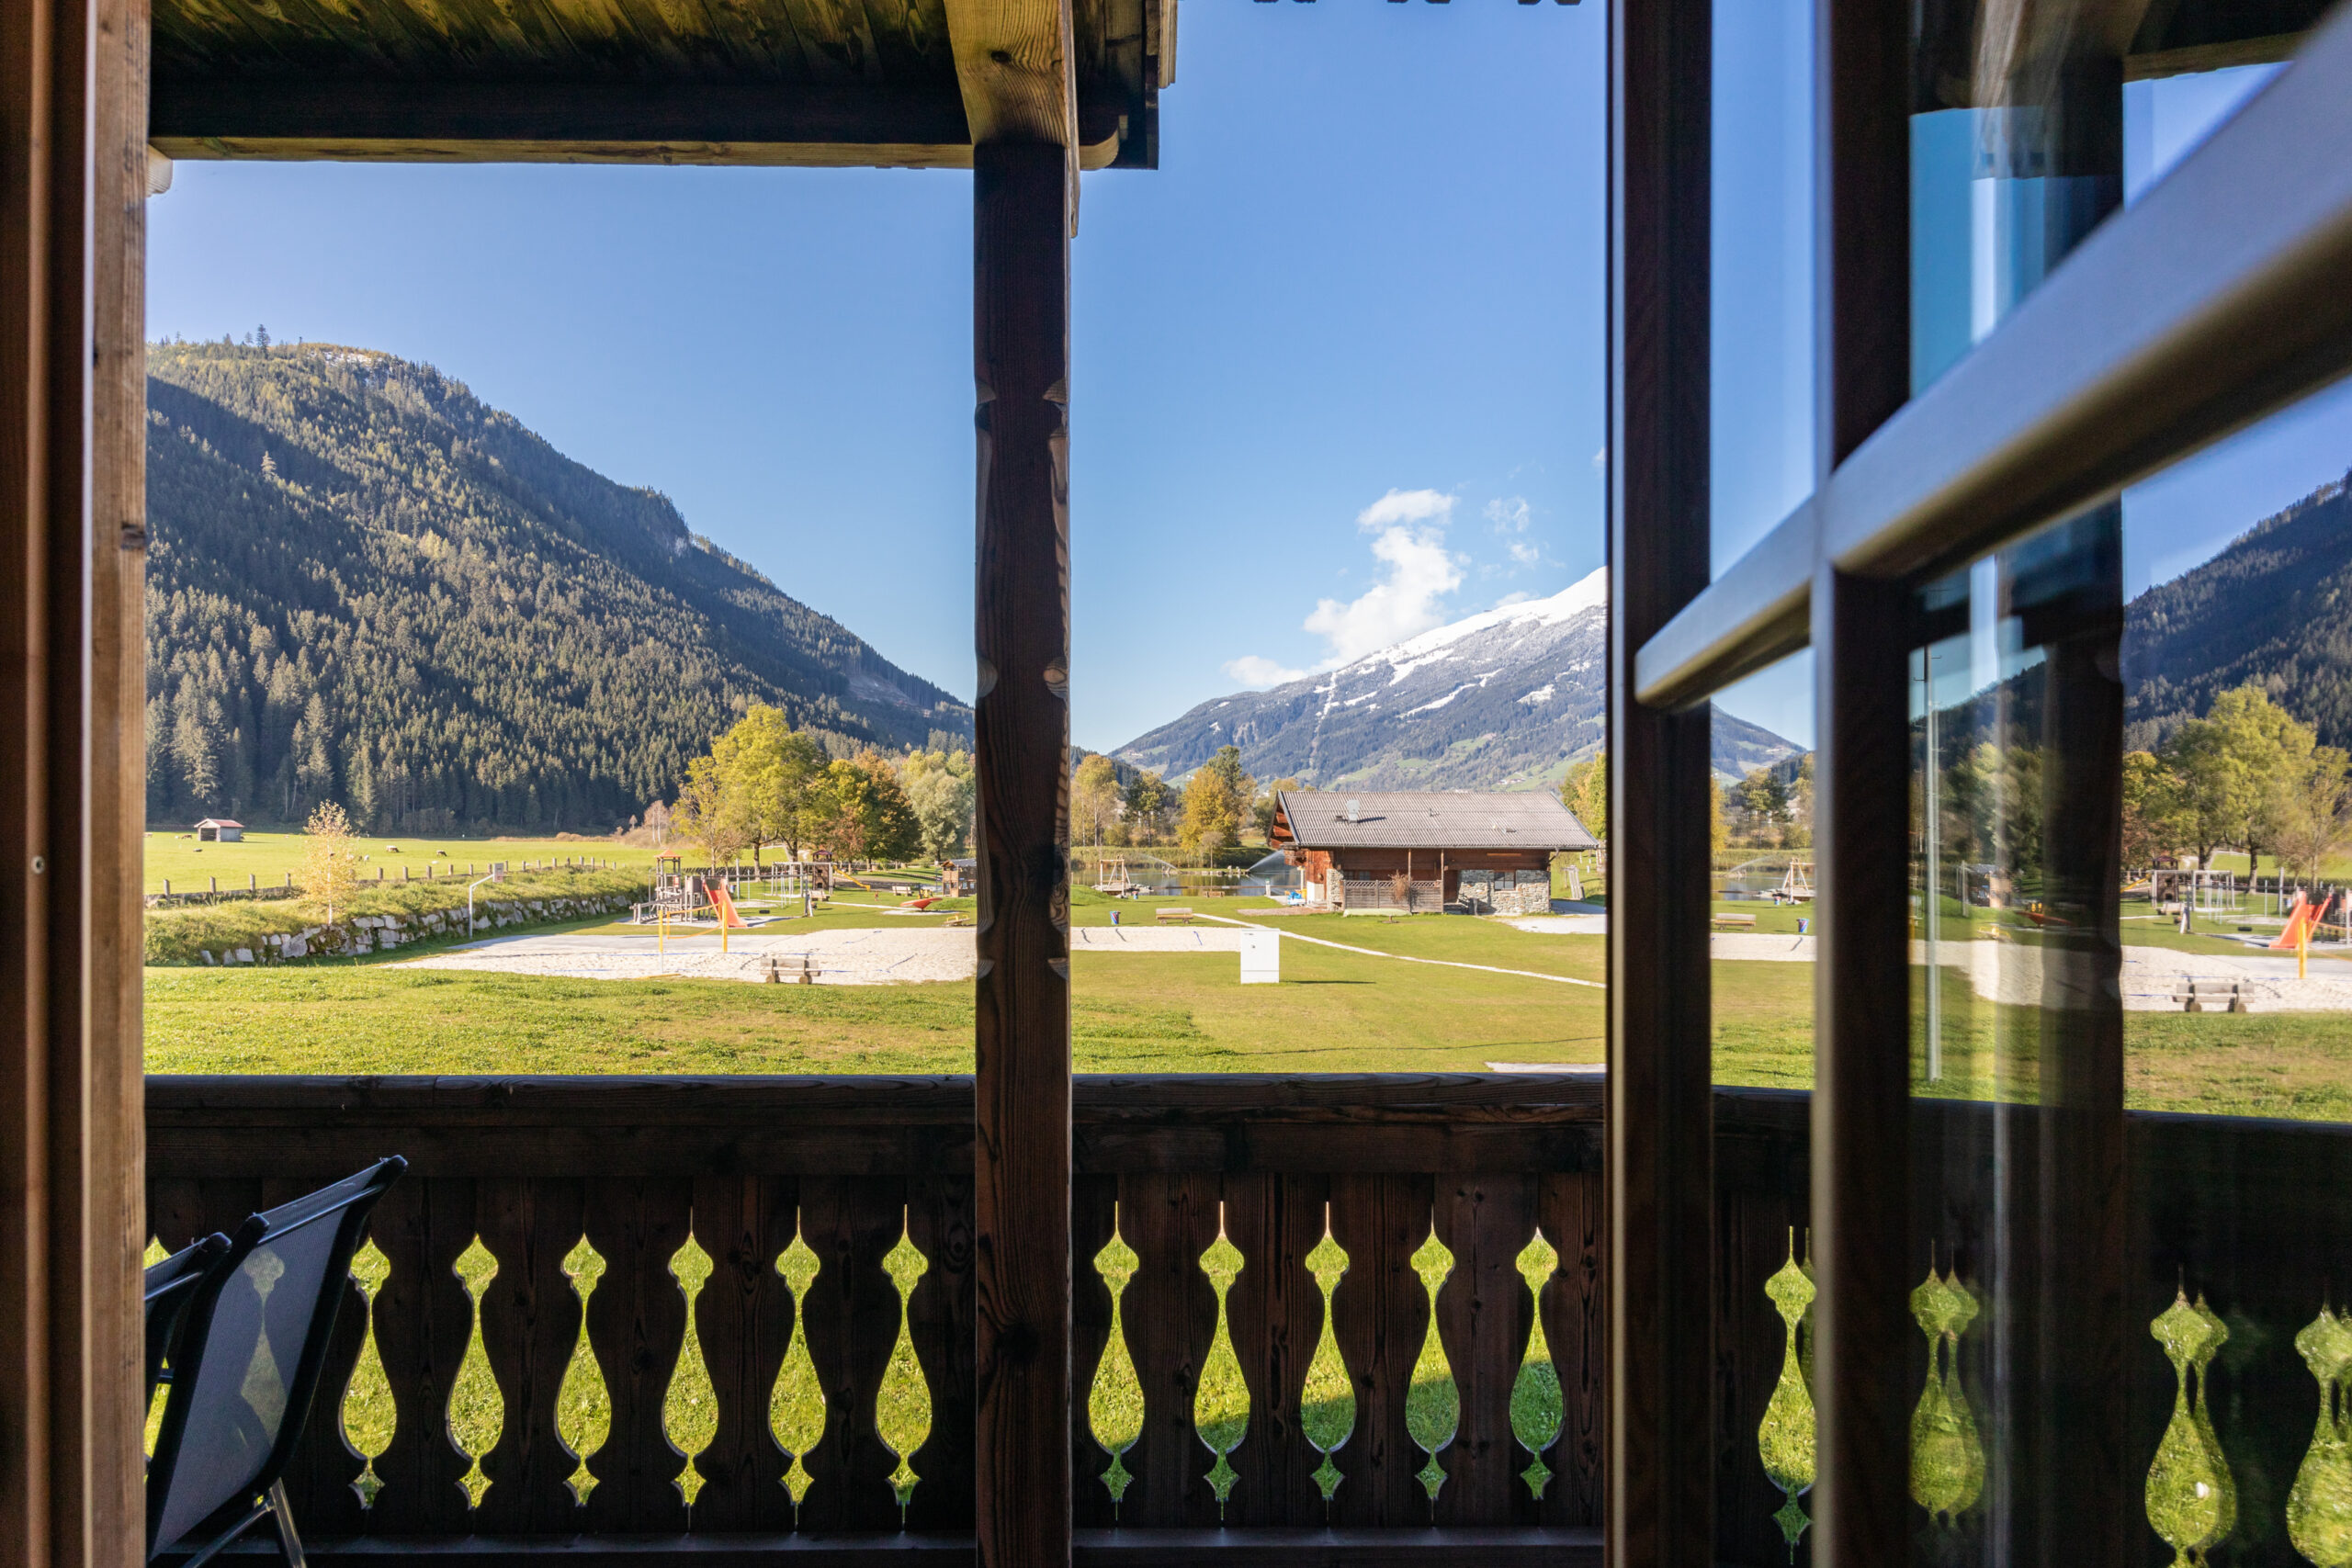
{"x": 365, "y": 584}
{"x": 1505, "y": 698}
{"x": 2270, "y": 607}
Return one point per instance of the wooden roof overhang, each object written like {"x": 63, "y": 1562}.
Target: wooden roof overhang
{"x": 824, "y": 82}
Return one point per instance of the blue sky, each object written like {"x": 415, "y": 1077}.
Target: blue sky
{"x": 1358, "y": 307}
{"x": 1338, "y": 362}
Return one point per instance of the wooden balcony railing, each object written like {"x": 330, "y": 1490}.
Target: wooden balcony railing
{"x": 1326, "y": 1292}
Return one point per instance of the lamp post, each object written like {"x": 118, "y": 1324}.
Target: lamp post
{"x": 497, "y": 874}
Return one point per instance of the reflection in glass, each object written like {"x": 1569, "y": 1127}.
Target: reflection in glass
{"x": 2017, "y": 1126}
{"x": 1786, "y": 1439}
{"x": 2192, "y": 1501}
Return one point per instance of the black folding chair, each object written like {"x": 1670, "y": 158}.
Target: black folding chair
{"x": 245, "y": 1363}
{"x": 170, "y": 1285}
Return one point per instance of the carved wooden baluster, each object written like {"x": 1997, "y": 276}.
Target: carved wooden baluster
{"x": 1221, "y": 1408}
{"x": 637, "y": 1320}
{"x": 741, "y": 1346}
{"x": 1093, "y": 1222}
{"x": 1382, "y": 1315}
{"x": 1170, "y": 1313}
{"x": 1569, "y": 1204}
{"x": 1485, "y": 1315}
{"x": 942, "y": 1317}
{"x": 690, "y": 1404}
{"x": 851, "y": 1319}
{"x": 1276, "y": 1311}
{"x": 1327, "y": 1402}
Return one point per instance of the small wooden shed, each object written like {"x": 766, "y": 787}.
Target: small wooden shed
{"x": 219, "y": 830}
{"x": 1416, "y": 852}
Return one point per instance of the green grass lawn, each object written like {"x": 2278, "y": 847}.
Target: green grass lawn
{"x": 268, "y": 857}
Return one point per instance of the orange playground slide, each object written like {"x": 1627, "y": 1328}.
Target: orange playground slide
{"x": 717, "y": 893}
{"x": 2301, "y": 922}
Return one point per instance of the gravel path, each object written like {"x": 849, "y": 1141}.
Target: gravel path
{"x": 861, "y": 956}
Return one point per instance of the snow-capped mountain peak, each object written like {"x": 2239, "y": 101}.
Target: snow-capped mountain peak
{"x": 1505, "y": 698}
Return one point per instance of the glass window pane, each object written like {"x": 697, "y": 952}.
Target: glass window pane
{"x": 1761, "y": 987}
{"x": 2029, "y": 125}
{"x": 2016, "y": 1127}
{"x": 1761, "y": 344}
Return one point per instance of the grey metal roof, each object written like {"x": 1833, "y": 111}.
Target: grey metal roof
{"x": 1431, "y": 819}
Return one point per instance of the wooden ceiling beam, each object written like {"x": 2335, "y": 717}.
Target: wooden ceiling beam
{"x": 274, "y": 117}
{"x": 1017, "y": 66}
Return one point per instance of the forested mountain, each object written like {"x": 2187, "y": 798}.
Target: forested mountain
{"x": 1500, "y": 700}
{"x": 2274, "y": 608}
{"x": 363, "y": 584}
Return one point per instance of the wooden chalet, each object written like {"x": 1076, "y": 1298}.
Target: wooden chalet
{"x": 1054, "y": 1212}
{"x": 1417, "y": 852}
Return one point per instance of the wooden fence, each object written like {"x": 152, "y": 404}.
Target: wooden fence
{"x": 1327, "y": 1293}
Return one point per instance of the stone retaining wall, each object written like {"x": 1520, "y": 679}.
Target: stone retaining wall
{"x": 376, "y": 933}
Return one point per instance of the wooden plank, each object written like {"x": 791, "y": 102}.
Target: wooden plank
{"x": 1259, "y": 1548}
{"x": 319, "y": 1476}
{"x": 636, "y": 1325}
{"x": 1381, "y": 1313}
{"x": 773, "y": 1324}
{"x": 1023, "y": 195}
{"x": 853, "y": 1321}
{"x": 530, "y": 1323}
{"x": 1659, "y": 1131}
{"x": 415, "y": 1462}
{"x": 1570, "y": 1209}
{"x": 450, "y": 1229}
{"x": 1755, "y": 1230}
{"x": 117, "y": 764}
{"x": 1485, "y": 1315}
{"x": 1015, "y": 64}
{"x": 1170, "y": 1313}
{"x": 735, "y": 1321}
{"x": 942, "y": 1317}
{"x": 1275, "y": 1314}
{"x": 68, "y": 1469}
{"x": 817, "y": 1102}
{"x": 1864, "y": 1338}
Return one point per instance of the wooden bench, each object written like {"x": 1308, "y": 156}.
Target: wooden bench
{"x": 1173, "y": 913}
{"x": 1731, "y": 922}
{"x": 2208, "y": 995}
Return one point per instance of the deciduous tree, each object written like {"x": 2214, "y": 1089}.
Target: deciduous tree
{"x": 330, "y": 869}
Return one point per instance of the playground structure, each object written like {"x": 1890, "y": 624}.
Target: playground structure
{"x": 1796, "y": 883}
{"x": 2197, "y": 892}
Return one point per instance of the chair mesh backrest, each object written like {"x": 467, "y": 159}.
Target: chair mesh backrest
{"x": 168, "y": 1286}
{"x": 246, "y": 1368}
{"x": 239, "y": 1402}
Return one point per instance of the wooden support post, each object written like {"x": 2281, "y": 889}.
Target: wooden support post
{"x": 72, "y": 179}
{"x": 1659, "y": 1131}
{"x": 1021, "y": 757}
{"x": 1864, "y": 1341}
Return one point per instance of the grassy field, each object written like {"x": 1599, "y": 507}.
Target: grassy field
{"x": 1345, "y": 1005}
{"x": 268, "y": 857}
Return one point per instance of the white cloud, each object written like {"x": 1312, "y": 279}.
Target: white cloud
{"x": 1257, "y": 672}
{"x": 1509, "y": 513}
{"x": 1407, "y": 506}
{"x": 1416, "y": 571}
{"x": 1508, "y": 600}
{"x": 1420, "y": 571}
{"x": 1512, "y": 517}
